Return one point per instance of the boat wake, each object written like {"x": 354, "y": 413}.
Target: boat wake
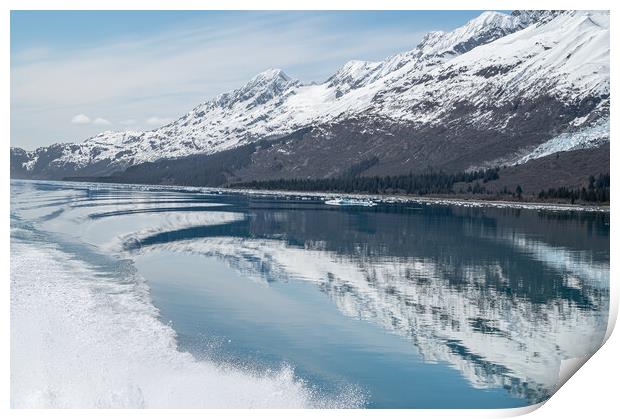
{"x": 81, "y": 338}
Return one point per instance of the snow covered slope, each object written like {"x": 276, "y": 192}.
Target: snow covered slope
{"x": 493, "y": 74}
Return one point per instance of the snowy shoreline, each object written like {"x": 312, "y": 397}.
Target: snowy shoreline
{"x": 384, "y": 199}
{"x": 388, "y": 199}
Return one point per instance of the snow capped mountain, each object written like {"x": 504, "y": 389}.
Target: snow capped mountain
{"x": 535, "y": 72}
{"x": 259, "y": 90}
{"x": 435, "y": 47}
{"x": 352, "y": 75}
{"x": 567, "y": 58}
{"x": 486, "y": 27}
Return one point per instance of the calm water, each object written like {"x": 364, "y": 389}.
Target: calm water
{"x": 401, "y": 305}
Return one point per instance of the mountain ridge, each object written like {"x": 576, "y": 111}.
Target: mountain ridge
{"x": 526, "y": 78}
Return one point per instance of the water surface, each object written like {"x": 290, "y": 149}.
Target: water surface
{"x": 398, "y": 305}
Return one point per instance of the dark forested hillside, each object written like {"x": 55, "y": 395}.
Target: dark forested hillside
{"x": 418, "y": 184}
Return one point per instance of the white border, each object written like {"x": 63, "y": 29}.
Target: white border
{"x": 592, "y": 392}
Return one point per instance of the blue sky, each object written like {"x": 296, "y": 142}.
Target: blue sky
{"x": 77, "y": 73}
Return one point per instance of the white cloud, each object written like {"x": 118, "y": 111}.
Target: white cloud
{"x": 157, "y": 121}
{"x": 80, "y": 119}
{"x": 128, "y": 122}
{"x": 101, "y": 121}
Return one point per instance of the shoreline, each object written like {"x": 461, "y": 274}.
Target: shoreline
{"x": 386, "y": 199}
{"x": 428, "y": 200}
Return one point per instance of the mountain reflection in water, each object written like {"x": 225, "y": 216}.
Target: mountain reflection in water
{"x": 501, "y": 295}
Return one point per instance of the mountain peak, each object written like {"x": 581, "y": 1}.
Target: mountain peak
{"x": 270, "y": 74}
{"x": 261, "y": 88}
{"x": 352, "y": 75}
{"x": 529, "y": 17}
{"x": 272, "y": 78}
{"x": 355, "y": 64}
{"x": 354, "y": 70}
{"x": 487, "y": 27}
{"x": 490, "y": 16}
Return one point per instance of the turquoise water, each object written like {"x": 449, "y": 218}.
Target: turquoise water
{"x": 404, "y": 305}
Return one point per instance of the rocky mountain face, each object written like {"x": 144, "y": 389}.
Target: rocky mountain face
{"x": 504, "y": 89}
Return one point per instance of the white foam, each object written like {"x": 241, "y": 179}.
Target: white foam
{"x": 80, "y": 340}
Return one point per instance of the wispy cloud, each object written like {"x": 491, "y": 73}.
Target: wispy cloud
{"x": 171, "y": 72}
{"x": 101, "y": 121}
